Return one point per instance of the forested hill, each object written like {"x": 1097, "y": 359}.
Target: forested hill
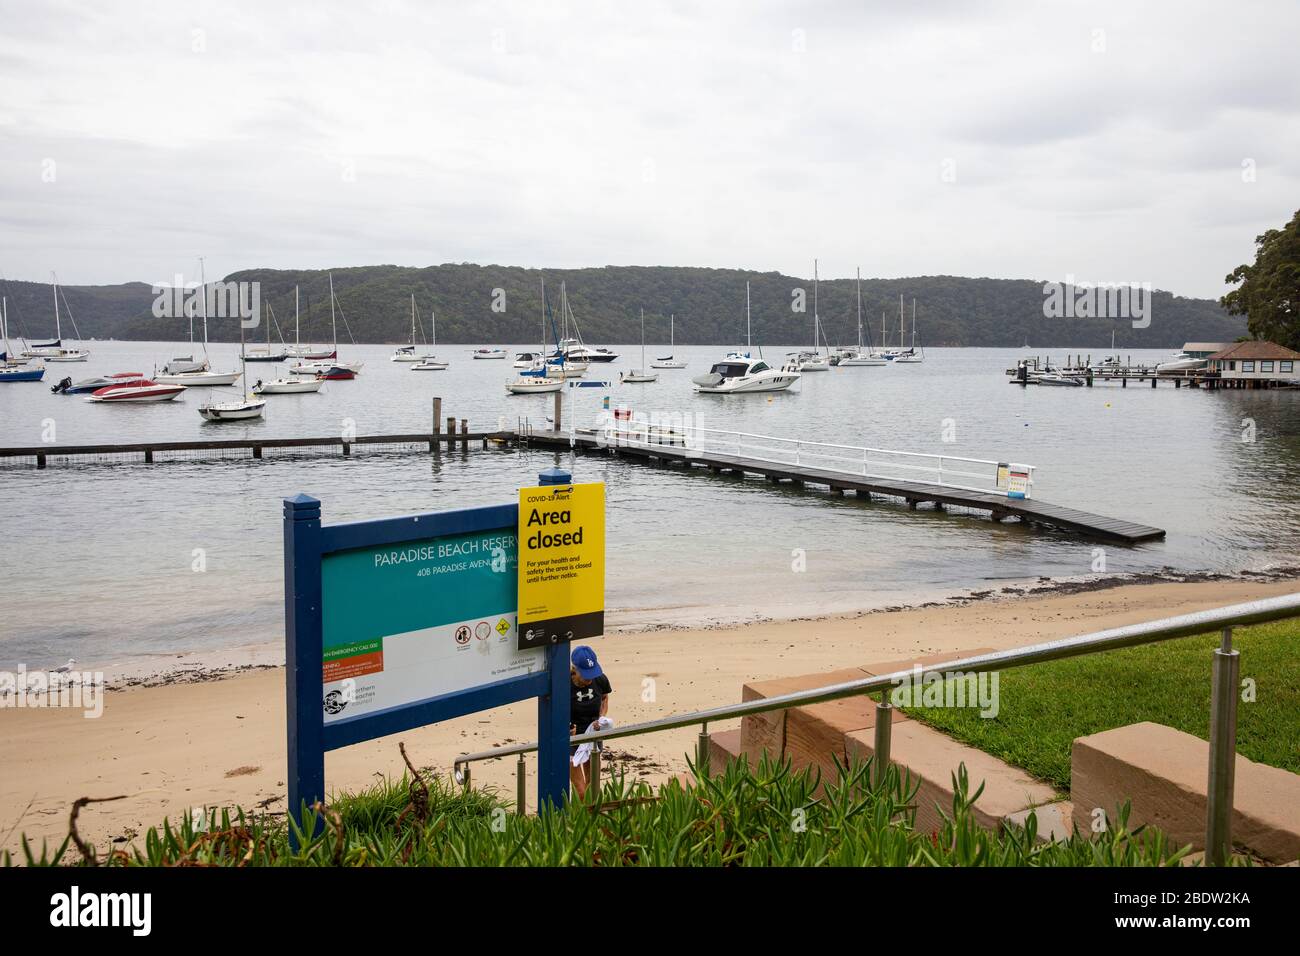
{"x": 709, "y": 305}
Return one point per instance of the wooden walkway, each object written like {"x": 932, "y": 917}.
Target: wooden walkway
{"x": 146, "y": 451}
{"x": 914, "y": 493}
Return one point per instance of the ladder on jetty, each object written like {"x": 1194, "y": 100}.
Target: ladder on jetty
{"x": 917, "y": 478}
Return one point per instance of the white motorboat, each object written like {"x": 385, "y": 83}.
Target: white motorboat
{"x": 742, "y": 376}
{"x": 198, "y": 379}
{"x": 489, "y": 353}
{"x": 861, "y": 355}
{"x": 288, "y": 386}
{"x": 429, "y": 363}
{"x": 527, "y": 359}
{"x": 669, "y": 361}
{"x": 1056, "y": 378}
{"x": 137, "y": 390}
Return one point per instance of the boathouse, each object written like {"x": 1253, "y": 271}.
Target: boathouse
{"x": 1256, "y": 364}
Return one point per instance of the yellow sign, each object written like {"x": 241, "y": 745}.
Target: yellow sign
{"x": 561, "y": 563}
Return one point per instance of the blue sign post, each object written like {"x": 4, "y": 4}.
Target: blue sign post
{"x": 416, "y": 626}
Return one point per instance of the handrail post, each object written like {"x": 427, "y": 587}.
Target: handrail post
{"x": 594, "y": 786}
{"x": 702, "y": 750}
{"x": 884, "y": 725}
{"x": 1223, "y": 752}
{"x": 521, "y": 786}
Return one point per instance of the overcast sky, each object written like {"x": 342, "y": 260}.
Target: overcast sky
{"x": 1002, "y": 139}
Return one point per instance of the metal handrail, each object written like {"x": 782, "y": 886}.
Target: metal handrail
{"x": 631, "y": 434}
{"x": 1131, "y": 635}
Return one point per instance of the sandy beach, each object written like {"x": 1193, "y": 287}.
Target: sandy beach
{"x": 221, "y": 742}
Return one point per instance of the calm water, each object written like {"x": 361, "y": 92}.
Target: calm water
{"x": 98, "y": 559}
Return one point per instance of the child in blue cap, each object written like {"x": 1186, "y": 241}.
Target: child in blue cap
{"x": 589, "y": 691}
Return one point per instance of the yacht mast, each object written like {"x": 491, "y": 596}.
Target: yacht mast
{"x": 859, "y": 309}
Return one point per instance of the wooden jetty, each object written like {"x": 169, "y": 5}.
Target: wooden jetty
{"x": 999, "y": 506}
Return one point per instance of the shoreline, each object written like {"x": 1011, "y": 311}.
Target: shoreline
{"x": 224, "y": 663}
{"x": 220, "y": 742}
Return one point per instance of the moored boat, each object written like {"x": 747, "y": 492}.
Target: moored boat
{"x": 137, "y": 390}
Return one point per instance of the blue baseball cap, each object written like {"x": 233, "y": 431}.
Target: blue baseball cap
{"x": 584, "y": 659}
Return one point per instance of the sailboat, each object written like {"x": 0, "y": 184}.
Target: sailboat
{"x": 813, "y": 361}
{"x": 909, "y": 356}
{"x": 858, "y": 356}
{"x": 430, "y": 362}
{"x": 54, "y": 351}
{"x": 203, "y": 376}
{"x": 266, "y": 355}
{"x": 406, "y": 353}
{"x": 668, "y": 361}
{"x": 249, "y": 407}
{"x": 291, "y": 384}
{"x": 565, "y": 363}
{"x": 298, "y": 350}
{"x": 187, "y": 363}
{"x": 536, "y": 379}
{"x": 638, "y": 375}
{"x": 329, "y": 365}
{"x": 15, "y": 371}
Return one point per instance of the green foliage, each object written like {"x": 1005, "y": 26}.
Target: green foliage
{"x": 1269, "y": 291}
{"x": 769, "y": 815}
{"x": 1044, "y": 707}
{"x": 709, "y": 305}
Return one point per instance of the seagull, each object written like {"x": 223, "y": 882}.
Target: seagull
{"x": 66, "y": 667}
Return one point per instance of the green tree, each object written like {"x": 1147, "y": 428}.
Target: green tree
{"x": 1268, "y": 292}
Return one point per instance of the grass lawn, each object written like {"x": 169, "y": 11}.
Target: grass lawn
{"x": 1044, "y": 707}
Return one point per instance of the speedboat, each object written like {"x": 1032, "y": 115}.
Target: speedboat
{"x": 406, "y": 354}
{"x": 429, "y": 363}
{"x": 317, "y": 368}
{"x": 1056, "y": 378}
{"x": 137, "y": 390}
{"x": 489, "y": 353}
{"x": 745, "y": 375}
{"x": 232, "y": 411}
{"x": 69, "y": 387}
{"x": 288, "y": 386}
{"x": 201, "y": 379}
{"x": 527, "y": 359}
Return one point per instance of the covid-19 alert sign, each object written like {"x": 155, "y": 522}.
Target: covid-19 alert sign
{"x": 561, "y": 563}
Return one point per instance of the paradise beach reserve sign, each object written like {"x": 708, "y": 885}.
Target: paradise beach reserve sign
{"x": 561, "y": 563}
{"x": 406, "y": 622}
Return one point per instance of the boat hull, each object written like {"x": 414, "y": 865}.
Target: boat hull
{"x": 289, "y": 386}
{"x": 232, "y": 412}
{"x": 198, "y": 379}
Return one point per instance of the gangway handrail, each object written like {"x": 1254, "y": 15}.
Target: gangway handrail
{"x": 1223, "y": 714}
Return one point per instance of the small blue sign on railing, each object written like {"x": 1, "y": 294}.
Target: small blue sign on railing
{"x": 402, "y": 622}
